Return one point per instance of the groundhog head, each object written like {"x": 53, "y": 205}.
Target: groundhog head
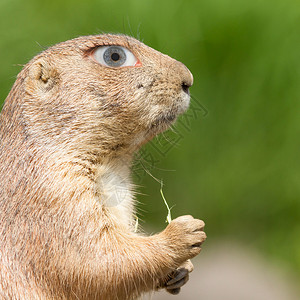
{"x": 110, "y": 92}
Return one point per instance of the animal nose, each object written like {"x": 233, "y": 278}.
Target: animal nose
{"x": 185, "y": 87}
{"x": 186, "y": 78}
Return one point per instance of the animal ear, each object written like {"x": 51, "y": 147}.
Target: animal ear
{"x": 43, "y": 75}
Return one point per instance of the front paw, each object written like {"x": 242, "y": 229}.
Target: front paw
{"x": 185, "y": 236}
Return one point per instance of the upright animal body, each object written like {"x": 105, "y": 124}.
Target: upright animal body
{"x": 68, "y": 131}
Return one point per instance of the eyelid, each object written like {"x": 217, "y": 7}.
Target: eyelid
{"x": 131, "y": 59}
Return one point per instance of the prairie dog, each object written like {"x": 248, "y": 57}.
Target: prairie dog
{"x": 68, "y": 130}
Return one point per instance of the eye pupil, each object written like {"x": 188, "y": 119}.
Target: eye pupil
{"x": 115, "y": 56}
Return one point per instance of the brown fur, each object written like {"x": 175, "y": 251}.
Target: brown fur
{"x": 68, "y": 130}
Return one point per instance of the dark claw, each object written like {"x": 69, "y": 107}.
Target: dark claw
{"x": 174, "y": 292}
{"x": 178, "y": 276}
{"x": 178, "y": 284}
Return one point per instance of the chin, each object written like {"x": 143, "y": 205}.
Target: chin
{"x": 162, "y": 123}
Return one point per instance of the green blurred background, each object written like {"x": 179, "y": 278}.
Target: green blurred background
{"x": 238, "y": 166}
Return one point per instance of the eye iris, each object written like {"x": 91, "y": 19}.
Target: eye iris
{"x": 114, "y": 56}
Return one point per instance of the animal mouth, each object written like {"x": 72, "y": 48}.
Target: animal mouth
{"x": 165, "y": 119}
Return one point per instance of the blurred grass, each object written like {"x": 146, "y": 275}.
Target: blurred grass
{"x": 238, "y": 168}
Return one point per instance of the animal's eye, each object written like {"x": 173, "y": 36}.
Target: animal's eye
{"x": 115, "y": 56}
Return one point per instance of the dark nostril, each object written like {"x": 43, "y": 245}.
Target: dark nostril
{"x": 185, "y": 88}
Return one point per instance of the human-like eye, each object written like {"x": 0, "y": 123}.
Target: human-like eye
{"x": 115, "y": 56}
